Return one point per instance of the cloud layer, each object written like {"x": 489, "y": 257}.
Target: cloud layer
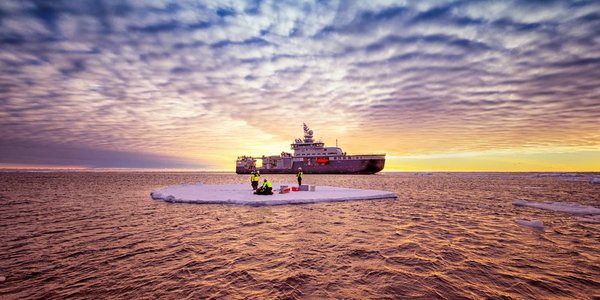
{"x": 208, "y": 81}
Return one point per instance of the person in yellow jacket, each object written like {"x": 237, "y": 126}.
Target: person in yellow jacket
{"x": 266, "y": 189}
{"x": 299, "y": 175}
{"x": 254, "y": 178}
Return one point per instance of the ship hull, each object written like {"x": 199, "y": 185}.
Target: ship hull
{"x": 355, "y": 166}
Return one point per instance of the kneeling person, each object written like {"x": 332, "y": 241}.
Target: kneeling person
{"x": 266, "y": 189}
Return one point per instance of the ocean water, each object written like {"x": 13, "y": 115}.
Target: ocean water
{"x": 447, "y": 236}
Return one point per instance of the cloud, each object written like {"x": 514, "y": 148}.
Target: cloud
{"x": 17, "y": 152}
{"x": 196, "y": 80}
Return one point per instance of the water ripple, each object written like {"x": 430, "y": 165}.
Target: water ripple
{"x": 448, "y": 236}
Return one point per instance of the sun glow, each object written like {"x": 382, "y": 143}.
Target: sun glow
{"x": 509, "y": 161}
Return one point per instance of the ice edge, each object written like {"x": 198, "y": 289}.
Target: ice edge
{"x": 269, "y": 200}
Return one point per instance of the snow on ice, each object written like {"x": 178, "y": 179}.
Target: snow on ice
{"x": 572, "y": 208}
{"x": 242, "y": 194}
{"x": 537, "y": 224}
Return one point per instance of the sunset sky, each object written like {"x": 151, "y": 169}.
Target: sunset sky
{"x": 436, "y": 85}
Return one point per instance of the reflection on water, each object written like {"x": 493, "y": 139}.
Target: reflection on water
{"x": 100, "y": 235}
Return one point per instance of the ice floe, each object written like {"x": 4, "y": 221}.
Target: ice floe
{"x": 537, "y": 224}
{"x": 557, "y": 175}
{"x": 581, "y": 177}
{"x": 573, "y": 208}
{"x": 589, "y": 219}
{"x": 423, "y": 173}
{"x": 242, "y": 194}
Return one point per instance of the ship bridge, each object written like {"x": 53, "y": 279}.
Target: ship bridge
{"x": 308, "y": 147}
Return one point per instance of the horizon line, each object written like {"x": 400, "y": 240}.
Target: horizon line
{"x": 176, "y": 170}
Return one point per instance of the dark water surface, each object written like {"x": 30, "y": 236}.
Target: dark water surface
{"x": 100, "y": 235}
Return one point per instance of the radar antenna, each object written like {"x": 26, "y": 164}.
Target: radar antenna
{"x": 308, "y": 134}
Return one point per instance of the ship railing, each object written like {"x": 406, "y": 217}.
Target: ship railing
{"x": 243, "y": 157}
